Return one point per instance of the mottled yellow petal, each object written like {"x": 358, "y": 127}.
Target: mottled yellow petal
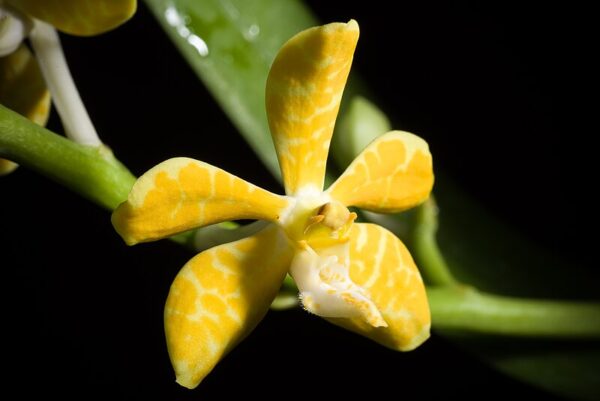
{"x": 181, "y": 193}
{"x": 383, "y": 267}
{"x": 79, "y": 17}
{"x": 304, "y": 89}
{"x": 392, "y": 174}
{"x": 22, "y": 86}
{"x": 219, "y": 297}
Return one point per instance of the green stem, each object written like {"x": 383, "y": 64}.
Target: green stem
{"x": 425, "y": 248}
{"x": 465, "y": 309}
{"x": 218, "y": 234}
{"x": 92, "y": 172}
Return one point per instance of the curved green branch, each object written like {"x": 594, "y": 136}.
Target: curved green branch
{"x": 92, "y": 172}
{"x": 468, "y": 310}
{"x": 425, "y": 248}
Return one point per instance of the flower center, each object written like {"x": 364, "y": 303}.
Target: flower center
{"x": 329, "y": 226}
{"x": 319, "y": 230}
{"x": 318, "y": 220}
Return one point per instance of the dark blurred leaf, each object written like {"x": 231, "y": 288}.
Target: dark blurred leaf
{"x": 483, "y": 251}
{"x": 566, "y": 368}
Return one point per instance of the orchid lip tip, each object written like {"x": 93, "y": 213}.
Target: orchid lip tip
{"x": 186, "y": 382}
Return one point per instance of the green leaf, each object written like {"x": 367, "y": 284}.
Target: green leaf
{"x": 483, "y": 251}
{"x": 231, "y": 45}
{"x": 568, "y": 369}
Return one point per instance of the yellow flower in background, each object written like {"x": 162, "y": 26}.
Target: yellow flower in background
{"x": 22, "y": 86}
{"x": 358, "y": 276}
{"x": 78, "y": 17}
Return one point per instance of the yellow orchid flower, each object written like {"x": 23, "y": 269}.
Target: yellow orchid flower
{"x": 22, "y": 87}
{"x": 358, "y": 276}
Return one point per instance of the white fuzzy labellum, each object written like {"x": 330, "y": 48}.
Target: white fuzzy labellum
{"x": 327, "y": 290}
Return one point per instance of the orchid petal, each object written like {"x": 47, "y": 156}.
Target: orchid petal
{"x": 303, "y": 95}
{"x": 181, "y": 193}
{"x": 383, "y": 267}
{"x": 219, "y": 297}
{"x": 392, "y": 174}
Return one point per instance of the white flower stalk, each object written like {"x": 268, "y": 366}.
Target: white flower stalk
{"x": 73, "y": 114}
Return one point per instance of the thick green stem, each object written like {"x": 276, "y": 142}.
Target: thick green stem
{"x": 92, "y": 172}
{"x": 465, "y": 309}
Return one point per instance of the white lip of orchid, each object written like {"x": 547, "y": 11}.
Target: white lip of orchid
{"x": 327, "y": 290}
{"x": 14, "y": 28}
{"x": 322, "y": 273}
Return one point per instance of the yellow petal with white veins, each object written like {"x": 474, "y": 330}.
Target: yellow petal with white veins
{"x": 303, "y": 95}
{"x": 392, "y": 174}
{"x": 383, "y": 267}
{"x": 181, "y": 193}
{"x": 79, "y": 17}
{"x": 219, "y": 297}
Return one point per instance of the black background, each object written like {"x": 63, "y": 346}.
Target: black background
{"x": 501, "y": 93}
